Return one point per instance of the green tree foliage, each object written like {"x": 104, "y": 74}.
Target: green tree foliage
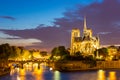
{"x": 90, "y": 60}
{"x": 102, "y": 51}
{"x": 5, "y": 51}
{"x": 78, "y": 56}
{"x": 43, "y": 53}
{"x": 53, "y": 51}
{"x": 12, "y": 52}
{"x": 59, "y": 51}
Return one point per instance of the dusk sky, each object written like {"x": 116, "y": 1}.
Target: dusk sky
{"x": 45, "y": 24}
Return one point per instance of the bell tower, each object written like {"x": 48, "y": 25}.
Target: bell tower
{"x": 75, "y": 33}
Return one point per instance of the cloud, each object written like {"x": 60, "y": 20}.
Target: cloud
{"x": 104, "y": 33}
{"x": 50, "y": 36}
{"x": 4, "y": 35}
{"x": 8, "y": 17}
{"x": 100, "y": 16}
{"x": 17, "y": 41}
{"x": 20, "y": 42}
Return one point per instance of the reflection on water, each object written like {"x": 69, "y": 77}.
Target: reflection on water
{"x": 101, "y": 75}
{"x": 38, "y": 73}
{"x": 21, "y": 77}
{"x": 57, "y": 75}
{"x": 33, "y": 72}
{"x": 29, "y": 72}
{"x": 18, "y": 74}
{"x": 112, "y": 75}
{"x": 22, "y": 72}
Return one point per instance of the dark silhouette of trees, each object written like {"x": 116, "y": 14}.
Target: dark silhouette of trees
{"x": 43, "y": 53}
{"x": 60, "y": 52}
{"x": 101, "y": 52}
{"x": 5, "y": 51}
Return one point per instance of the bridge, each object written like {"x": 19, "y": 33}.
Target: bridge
{"x": 21, "y": 63}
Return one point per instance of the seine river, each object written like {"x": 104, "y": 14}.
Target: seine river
{"x": 45, "y": 73}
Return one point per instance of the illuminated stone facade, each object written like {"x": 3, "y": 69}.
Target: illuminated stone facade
{"x": 85, "y": 44}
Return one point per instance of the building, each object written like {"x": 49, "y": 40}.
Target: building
{"x": 85, "y": 44}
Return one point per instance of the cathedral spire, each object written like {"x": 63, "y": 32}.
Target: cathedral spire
{"x": 85, "y": 26}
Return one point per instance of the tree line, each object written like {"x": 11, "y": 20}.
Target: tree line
{"x": 8, "y": 52}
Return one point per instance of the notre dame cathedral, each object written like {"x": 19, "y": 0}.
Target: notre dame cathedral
{"x": 85, "y": 44}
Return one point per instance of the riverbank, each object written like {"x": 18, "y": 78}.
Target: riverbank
{"x": 4, "y": 68}
{"x": 81, "y": 66}
{"x": 4, "y": 71}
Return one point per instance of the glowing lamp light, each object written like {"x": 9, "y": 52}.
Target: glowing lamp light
{"x": 51, "y": 69}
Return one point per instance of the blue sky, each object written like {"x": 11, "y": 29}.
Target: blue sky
{"x": 30, "y": 13}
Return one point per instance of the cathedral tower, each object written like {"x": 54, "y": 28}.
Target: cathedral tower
{"x": 74, "y": 34}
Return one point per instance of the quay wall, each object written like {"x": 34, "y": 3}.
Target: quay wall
{"x": 79, "y": 65}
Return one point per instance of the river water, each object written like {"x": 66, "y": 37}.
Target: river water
{"x": 45, "y": 73}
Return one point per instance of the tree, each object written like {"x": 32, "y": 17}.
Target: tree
{"x": 59, "y": 52}
{"x": 43, "y": 53}
{"x": 103, "y": 52}
{"x": 4, "y": 51}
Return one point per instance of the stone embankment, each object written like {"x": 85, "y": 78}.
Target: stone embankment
{"x": 80, "y": 65}
{"x": 4, "y": 71}
{"x": 4, "y": 68}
